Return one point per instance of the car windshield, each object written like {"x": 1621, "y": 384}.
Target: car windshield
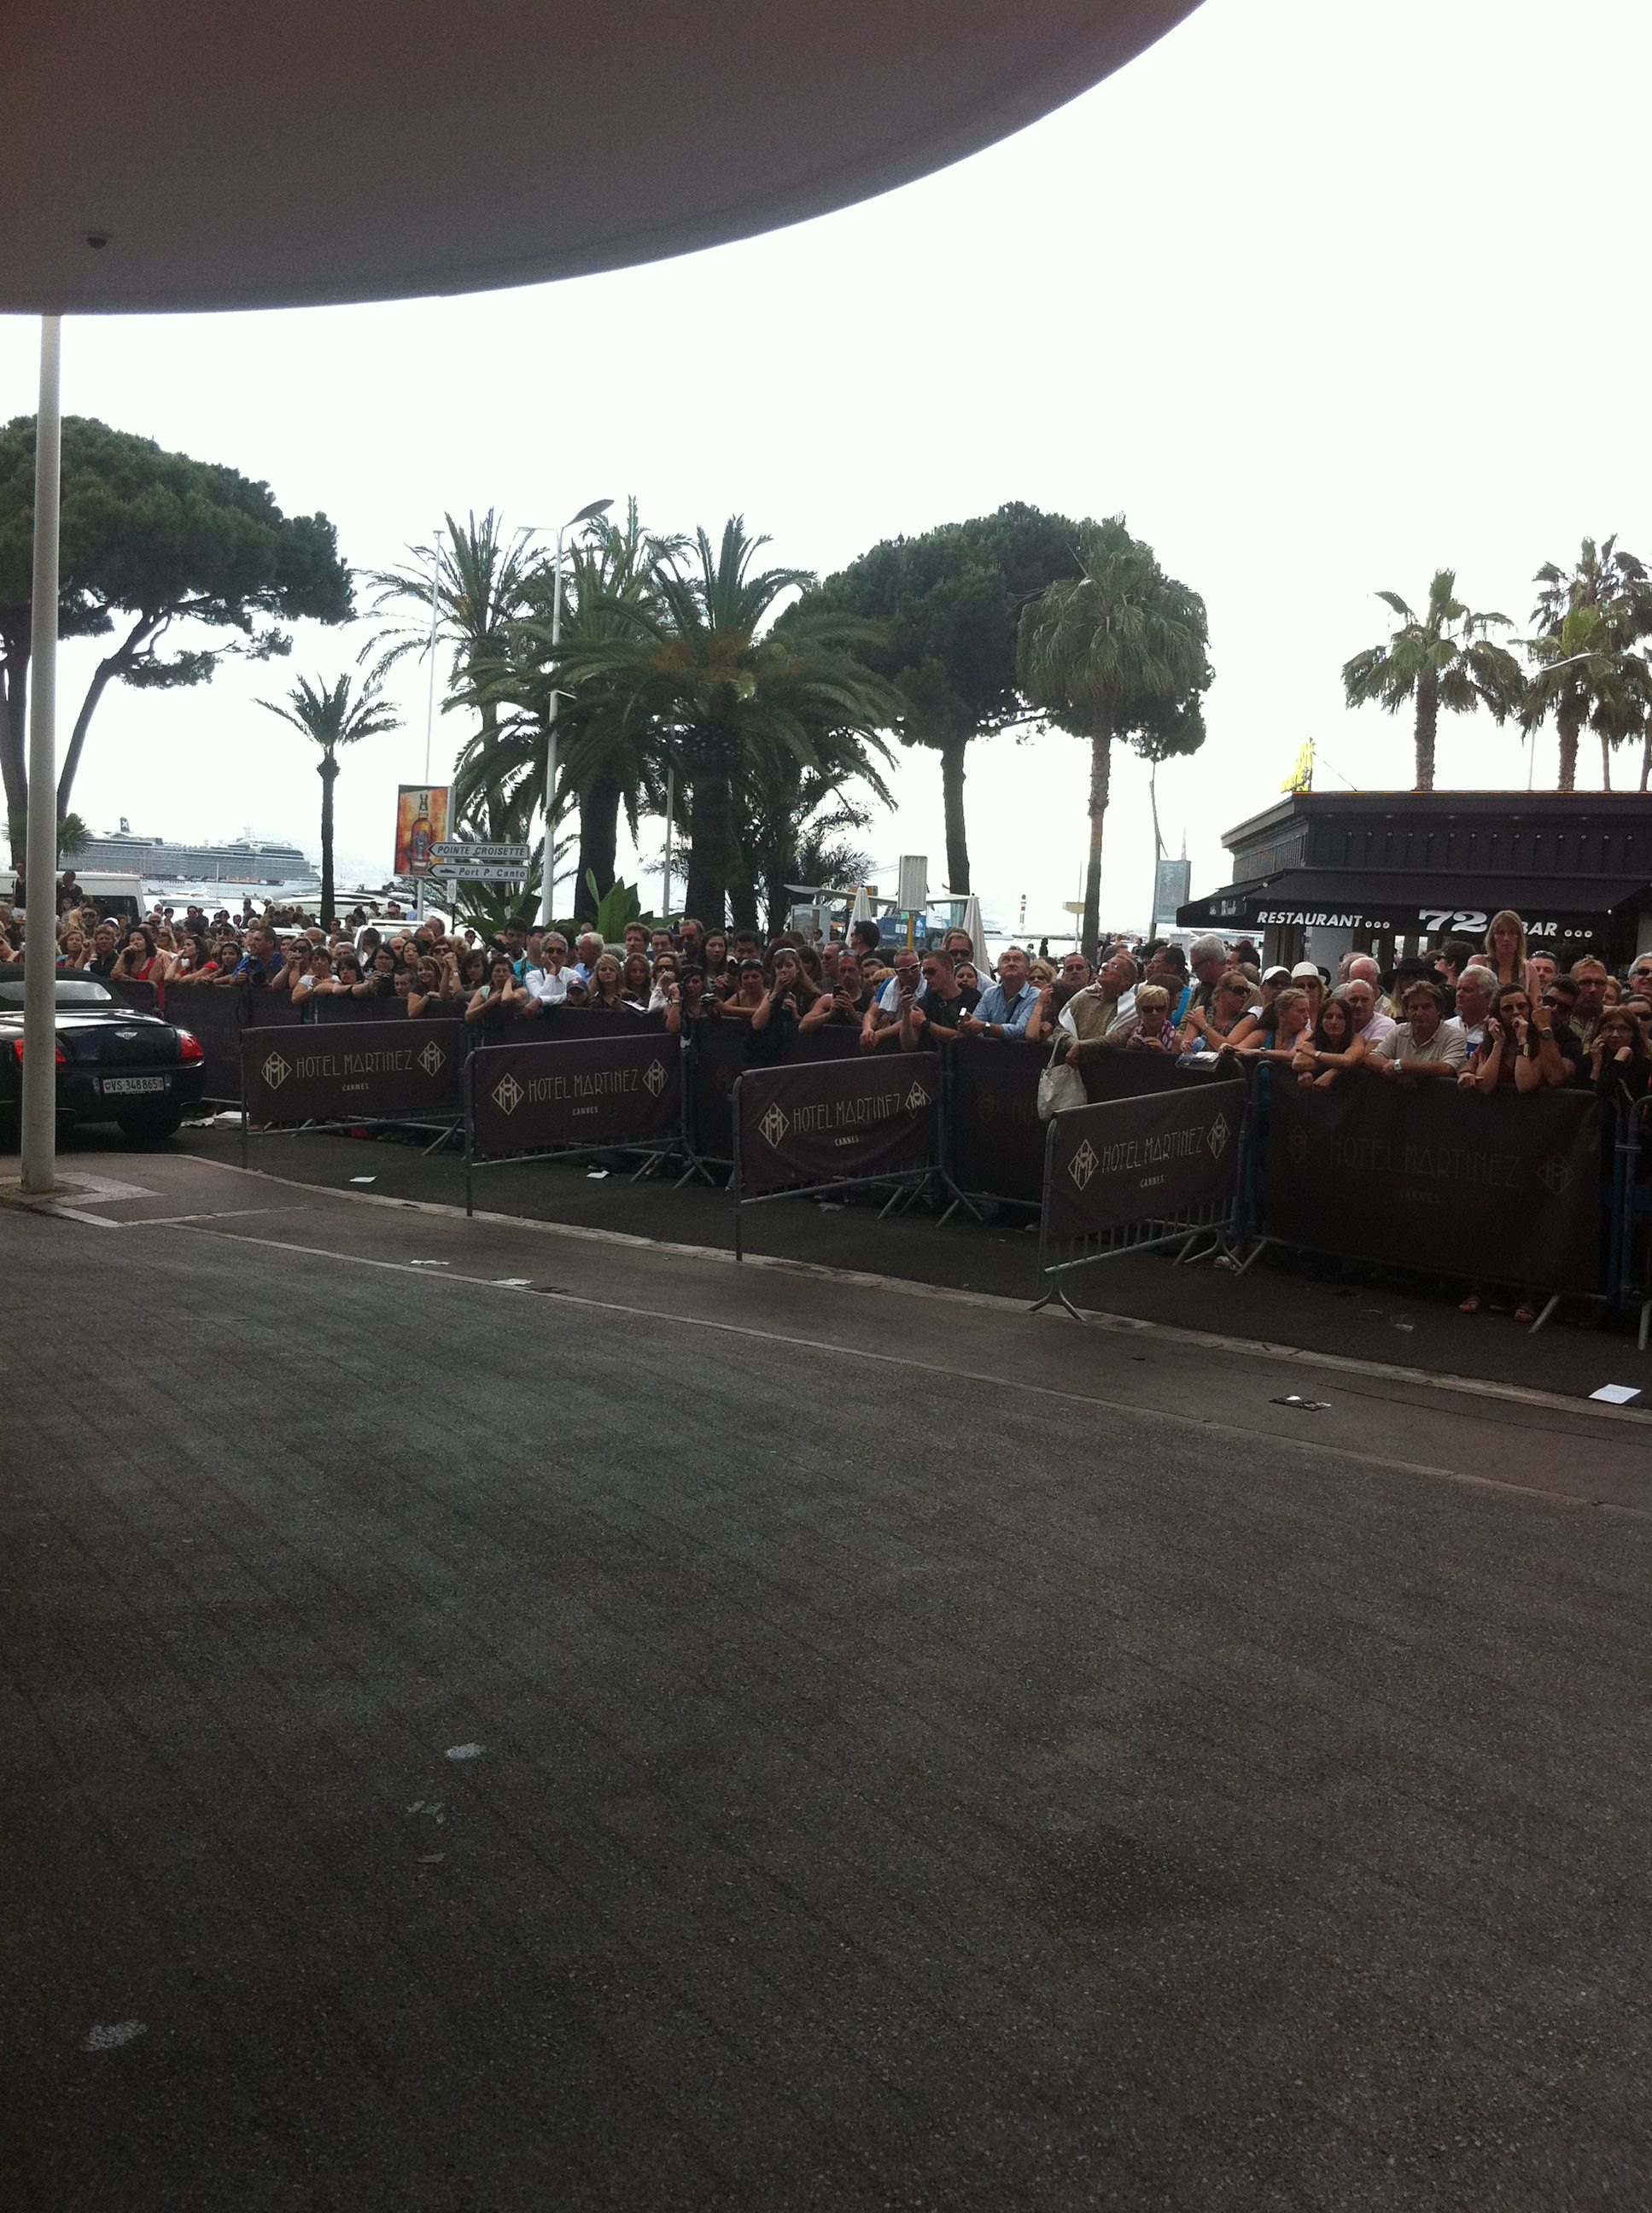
{"x": 71, "y": 991}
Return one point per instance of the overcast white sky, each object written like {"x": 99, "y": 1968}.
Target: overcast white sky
{"x": 1319, "y": 297}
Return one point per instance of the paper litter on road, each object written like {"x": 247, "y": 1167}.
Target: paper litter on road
{"x": 594, "y": 1176}
{"x": 363, "y": 1179}
{"x": 512, "y": 1283}
{"x": 429, "y": 1263}
{"x": 1302, "y": 1406}
{"x": 1617, "y": 1394}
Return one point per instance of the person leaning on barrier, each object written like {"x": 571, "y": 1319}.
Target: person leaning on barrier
{"x": 881, "y": 1025}
{"x": 1541, "y": 969}
{"x": 1207, "y": 1031}
{"x": 1074, "y": 976}
{"x": 1331, "y": 1047}
{"x": 1091, "y": 1014}
{"x": 499, "y": 998}
{"x": 851, "y": 997}
{"x": 1477, "y": 987}
{"x": 1374, "y": 1024}
{"x": 1149, "y": 1028}
{"x": 1424, "y": 1044}
{"x": 1005, "y": 1007}
{"x": 1276, "y": 1035}
{"x": 435, "y": 983}
{"x": 935, "y": 1015}
{"x": 1507, "y": 1054}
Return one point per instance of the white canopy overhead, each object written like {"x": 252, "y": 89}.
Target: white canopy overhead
{"x": 271, "y": 153}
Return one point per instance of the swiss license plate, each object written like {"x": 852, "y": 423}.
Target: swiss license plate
{"x": 121, "y": 1086}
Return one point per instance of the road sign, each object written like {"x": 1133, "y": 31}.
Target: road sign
{"x": 1072, "y": 907}
{"x": 459, "y": 849}
{"x": 479, "y": 872}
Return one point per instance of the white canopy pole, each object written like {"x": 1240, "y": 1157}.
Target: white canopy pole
{"x": 40, "y": 1144}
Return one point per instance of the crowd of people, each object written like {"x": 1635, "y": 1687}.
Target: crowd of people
{"x": 1501, "y": 1015}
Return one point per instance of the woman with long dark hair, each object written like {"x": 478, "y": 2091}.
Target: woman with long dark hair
{"x": 1333, "y": 1046}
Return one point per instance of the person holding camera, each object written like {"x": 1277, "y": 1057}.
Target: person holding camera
{"x": 785, "y": 1006}
{"x": 934, "y": 1015}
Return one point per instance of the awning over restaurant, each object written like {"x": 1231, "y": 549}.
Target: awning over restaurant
{"x": 1409, "y": 905}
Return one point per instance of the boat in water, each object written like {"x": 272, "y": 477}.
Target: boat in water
{"x": 256, "y": 864}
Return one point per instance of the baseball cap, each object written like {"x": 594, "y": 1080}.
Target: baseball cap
{"x": 1278, "y": 975}
{"x": 1306, "y": 970}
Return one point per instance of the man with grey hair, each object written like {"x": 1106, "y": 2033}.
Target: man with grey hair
{"x": 1477, "y": 987}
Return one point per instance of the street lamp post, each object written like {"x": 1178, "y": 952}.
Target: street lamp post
{"x": 548, "y": 874}
{"x": 430, "y": 693}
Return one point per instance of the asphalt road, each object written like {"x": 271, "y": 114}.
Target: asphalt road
{"x": 503, "y": 1719}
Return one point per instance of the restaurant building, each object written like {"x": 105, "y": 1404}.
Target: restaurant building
{"x": 1321, "y": 873}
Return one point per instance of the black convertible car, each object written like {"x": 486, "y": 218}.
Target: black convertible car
{"x": 114, "y": 1065}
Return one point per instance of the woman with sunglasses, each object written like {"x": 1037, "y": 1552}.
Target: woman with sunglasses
{"x": 1219, "y": 1027}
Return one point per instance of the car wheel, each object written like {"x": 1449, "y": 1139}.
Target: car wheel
{"x": 150, "y": 1122}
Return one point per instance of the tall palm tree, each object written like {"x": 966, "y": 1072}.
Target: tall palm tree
{"x": 605, "y": 762}
{"x": 328, "y": 714}
{"x": 1609, "y": 689}
{"x": 1585, "y": 673}
{"x": 696, "y": 668}
{"x": 1119, "y": 652}
{"x": 1441, "y": 658}
{"x": 485, "y": 581}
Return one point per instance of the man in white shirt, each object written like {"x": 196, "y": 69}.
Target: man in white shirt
{"x": 547, "y": 985}
{"x": 1360, "y": 995}
{"x": 1424, "y": 1044}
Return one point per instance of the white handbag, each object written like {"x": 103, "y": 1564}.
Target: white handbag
{"x": 1060, "y": 1087}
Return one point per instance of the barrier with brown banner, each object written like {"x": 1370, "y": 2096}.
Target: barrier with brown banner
{"x": 216, "y": 1017}
{"x": 995, "y": 1140}
{"x": 836, "y": 1124}
{"x": 1502, "y": 1188}
{"x": 361, "y": 1072}
{"x": 720, "y": 1057}
{"x": 555, "y": 1099}
{"x": 1131, "y": 1174}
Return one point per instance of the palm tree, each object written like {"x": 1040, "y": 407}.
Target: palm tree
{"x": 1442, "y": 658}
{"x": 795, "y": 817}
{"x": 1583, "y": 673}
{"x": 329, "y": 715}
{"x": 1607, "y": 684}
{"x": 695, "y": 669}
{"x": 485, "y": 581}
{"x": 605, "y": 761}
{"x": 1118, "y": 653}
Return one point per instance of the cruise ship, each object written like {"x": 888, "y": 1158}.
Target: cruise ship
{"x": 243, "y": 861}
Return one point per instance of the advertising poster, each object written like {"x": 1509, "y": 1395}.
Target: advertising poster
{"x": 421, "y": 824}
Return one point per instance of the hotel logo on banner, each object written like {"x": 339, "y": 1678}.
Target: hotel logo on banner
{"x": 432, "y": 1058}
{"x": 655, "y": 1077}
{"x": 275, "y": 1071}
{"x": 1083, "y": 1164}
{"x": 507, "y": 1096}
{"x": 774, "y": 1125}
